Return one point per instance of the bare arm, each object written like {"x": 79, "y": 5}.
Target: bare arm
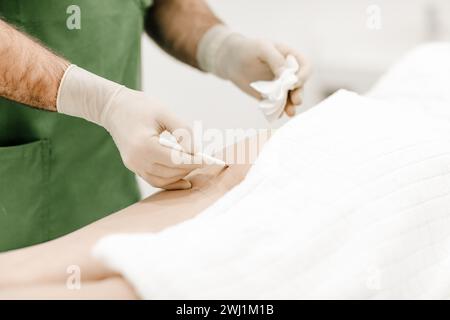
{"x": 29, "y": 73}
{"x": 178, "y": 25}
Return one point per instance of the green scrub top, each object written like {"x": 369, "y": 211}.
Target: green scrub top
{"x": 59, "y": 173}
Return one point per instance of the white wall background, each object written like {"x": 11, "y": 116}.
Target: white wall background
{"x": 335, "y": 35}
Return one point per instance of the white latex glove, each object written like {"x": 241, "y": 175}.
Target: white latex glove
{"x": 243, "y": 61}
{"x": 135, "y": 122}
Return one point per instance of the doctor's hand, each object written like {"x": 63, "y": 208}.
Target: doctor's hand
{"x": 243, "y": 60}
{"x": 135, "y": 122}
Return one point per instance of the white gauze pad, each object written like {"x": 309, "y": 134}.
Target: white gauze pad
{"x": 275, "y": 92}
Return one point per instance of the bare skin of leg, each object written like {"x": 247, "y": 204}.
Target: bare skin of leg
{"x": 112, "y": 288}
{"x": 41, "y": 271}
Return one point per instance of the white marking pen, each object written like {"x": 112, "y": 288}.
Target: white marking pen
{"x": 171, "y": 143}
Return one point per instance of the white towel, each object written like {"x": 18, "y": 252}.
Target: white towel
{"x": 348, "y": 200}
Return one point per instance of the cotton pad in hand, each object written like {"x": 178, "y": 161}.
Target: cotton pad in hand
{"x": 275, "y": 92}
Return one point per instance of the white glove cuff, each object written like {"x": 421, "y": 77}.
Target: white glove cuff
{"x": 209, "y": 46}
{"x": 85, "y": 95}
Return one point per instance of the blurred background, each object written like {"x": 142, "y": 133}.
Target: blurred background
{"x": 350, "y": 43}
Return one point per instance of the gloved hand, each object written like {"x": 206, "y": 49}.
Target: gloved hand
{"x": 135, "y": 122}
{"x": 243, "y": 60}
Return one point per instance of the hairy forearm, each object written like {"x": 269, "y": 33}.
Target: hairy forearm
{"x": 47, "y": 263}
{"x": 29, "y": 73}
{"x": 178, "y": 25}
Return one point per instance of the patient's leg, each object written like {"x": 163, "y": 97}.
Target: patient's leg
{"x": 47, "y": 263}
{"x": 113, "y": 288}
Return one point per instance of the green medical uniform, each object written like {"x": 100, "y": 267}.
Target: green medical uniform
{"x": 59, "y": 173}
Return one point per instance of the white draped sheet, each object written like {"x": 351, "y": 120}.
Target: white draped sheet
{"x": 350, "y": 199}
